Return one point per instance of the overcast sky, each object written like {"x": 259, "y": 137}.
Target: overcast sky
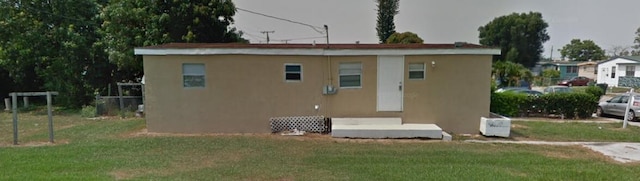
{"x": 607, "y": 22}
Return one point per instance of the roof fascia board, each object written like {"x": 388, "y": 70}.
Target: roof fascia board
{"x": 317, "y": 52}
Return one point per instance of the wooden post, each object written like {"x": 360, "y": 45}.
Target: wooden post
{"x": 14, "y": 107}
{"x": 49, "y": 111}
{"x": 7, "y": 104}
{"x": 25, "y": 101}
{"x": 121, "y": 100}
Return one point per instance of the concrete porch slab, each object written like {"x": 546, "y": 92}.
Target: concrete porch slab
{"x": 366, "y": 121}
{"x": 387, "y": 131}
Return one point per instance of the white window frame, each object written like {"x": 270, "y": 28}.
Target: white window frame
{"x": 423, "y": 70}
{"x": 340, "y": 74}
{"x": 285, "y": 72}
{"x": 633, "y": 71}
{"x": 203, "y": 74}
{"x": 613, "y": 72}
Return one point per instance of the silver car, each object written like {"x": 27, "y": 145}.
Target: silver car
{"x": 616, "y": 106}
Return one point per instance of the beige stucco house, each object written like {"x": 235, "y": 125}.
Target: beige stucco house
{"x": 588, "y": 69}
{"x": 236, "y": 88}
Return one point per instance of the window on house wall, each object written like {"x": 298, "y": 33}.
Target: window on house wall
{"x": 193, "y": 75}
{"x": 630, "y": 71}
{"x": 613, "y": 72}
{"x": 595, "y": 70}
{"x": 572, "y": 69}
{"x": 416, "y": 71}
{"x": 292, "y": 72}
{"x": 350, "y": 75}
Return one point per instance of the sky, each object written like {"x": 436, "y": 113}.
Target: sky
{"x": 608, "y": 23}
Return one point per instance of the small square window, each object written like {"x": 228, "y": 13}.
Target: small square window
{"x": 350, "y": 75}
{"x": 193, "y": 75}
{"x": 416, "y": 71}
{"x": 293, "y": 72}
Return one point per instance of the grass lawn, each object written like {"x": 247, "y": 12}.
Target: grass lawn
{"x": 574, "y": 131}
{"x": 114, "y": 149}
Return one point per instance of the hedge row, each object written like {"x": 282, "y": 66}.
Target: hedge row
{"x": 570, "y": 105}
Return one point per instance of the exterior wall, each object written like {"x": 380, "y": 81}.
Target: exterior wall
{"x": 587, "y": 71}
{"x": 604, "y": 71}
{"x": 564, "y": 74}
{"x": 242, "y": 92}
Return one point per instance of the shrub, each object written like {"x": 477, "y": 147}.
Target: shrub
{"x": 571, "y": 105}
{"x": 595, "y": 91}
{"x": 88, "y": 111}
{"x": 508, "y": 103}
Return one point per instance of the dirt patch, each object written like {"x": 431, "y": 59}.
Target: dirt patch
{"x": 35, "y": 144}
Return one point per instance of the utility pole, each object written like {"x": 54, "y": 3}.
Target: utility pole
{"x": 551, "y": 55}
{"x": 267, "y": 33}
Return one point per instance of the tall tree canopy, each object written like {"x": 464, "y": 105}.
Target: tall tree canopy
{"x": 520, "y": 36}
{"x": 636, "y": 46}
{"x": 404, "y": 38}
{"x": 49, "y": 45}
{"x": 387, "y": 10}
{"x": 584, "y": 50}
{"x": 79, "y": 47}
{"x": 133, "y": 23}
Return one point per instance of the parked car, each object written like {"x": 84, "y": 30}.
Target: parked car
{"x": 616, "y": 106}
{"x": 557, "y": 89}
{"x": 576, "y": 81}
{"x": 527, "y": 91}
{"x": 505, "y": 89}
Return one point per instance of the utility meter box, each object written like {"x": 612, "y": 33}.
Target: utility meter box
{"x": 328, "y": 90}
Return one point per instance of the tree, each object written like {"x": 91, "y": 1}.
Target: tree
{"x": 510, "y": 73}
{"x": 48, "y": 45}
{"x": 135, "y": 23}
{"x": 620, "y": 51}
{"x": 551, "y": 73}
{"x": 584, "y": 50}
{"x": 404, "y": 38}
{"x": 520, "y": 36}
{"x": 636, "y": 47}
{"x": 387, "y": 10}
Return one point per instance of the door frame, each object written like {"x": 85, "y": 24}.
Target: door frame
{"x": 402, "y": 82}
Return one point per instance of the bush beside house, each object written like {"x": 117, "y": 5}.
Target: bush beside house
{"x": 578, "y": 105}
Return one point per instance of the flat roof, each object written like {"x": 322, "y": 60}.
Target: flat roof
{"x": 315, "y": 49}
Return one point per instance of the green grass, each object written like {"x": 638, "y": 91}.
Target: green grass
{"x": 574, "y": 131}
{"x": 111, "y": 149}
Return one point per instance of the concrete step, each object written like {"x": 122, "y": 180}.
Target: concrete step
{"x": 366, "y": 121}
{"x": 386, "y": 131}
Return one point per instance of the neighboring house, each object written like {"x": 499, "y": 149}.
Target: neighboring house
{"x": 588, "y": 69}
{"x": 567, "y": 69}
{"x": 620, "y": 71}
{"x": 236, "y": 88}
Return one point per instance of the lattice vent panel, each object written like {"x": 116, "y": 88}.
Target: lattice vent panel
{"x": 314, "y": 124}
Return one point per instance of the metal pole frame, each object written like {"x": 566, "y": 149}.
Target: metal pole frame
{"x": 14, "y": 108}
{"x": 14, "y": 99}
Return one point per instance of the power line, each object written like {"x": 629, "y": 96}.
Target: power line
{"x": 315, "y": 28}
{"x": 303, "y": 38}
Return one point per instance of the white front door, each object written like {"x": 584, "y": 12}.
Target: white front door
{"x": 390, "y": 85}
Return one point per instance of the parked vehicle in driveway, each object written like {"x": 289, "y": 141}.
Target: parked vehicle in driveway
{"x": 617, "y": 106}
{"x": 557, "y": 89}
{"x": 506, "y": 89}
{"x": 526, "y": 91}
{"x": 575, "y": 81}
